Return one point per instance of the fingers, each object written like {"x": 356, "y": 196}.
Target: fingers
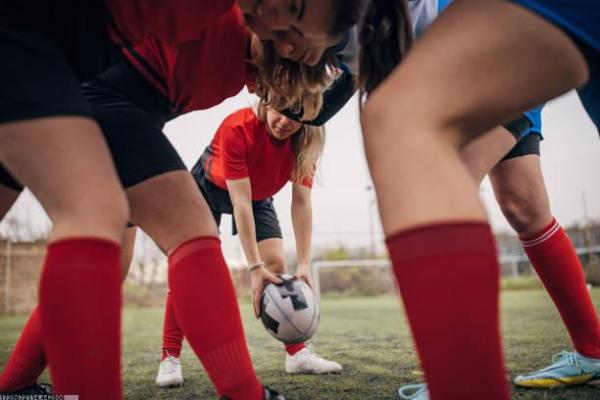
{"x": 256, "y": 297}
{"x": 273, "y": 278}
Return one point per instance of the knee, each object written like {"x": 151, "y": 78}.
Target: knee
{"x": 275, "y": 264}
{"x": 523, "y": 215}
{"x": 104, "y": 210}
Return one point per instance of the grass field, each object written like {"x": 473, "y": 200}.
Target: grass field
{"x": 367, "y": 335}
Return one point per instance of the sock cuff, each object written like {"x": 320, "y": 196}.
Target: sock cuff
{"x": 292, "y": 349}
{"x": 542, "y": 236}
{"x": 107, "y": 244}
{"x": 447, "y": 238}
{"x": 192, "y": 246}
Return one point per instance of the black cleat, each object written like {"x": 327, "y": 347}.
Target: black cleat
{"x": 35, "y": 389}
{"x": 270, "y": 394}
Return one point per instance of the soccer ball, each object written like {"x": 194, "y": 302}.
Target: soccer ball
{"x": 290, "y": 311}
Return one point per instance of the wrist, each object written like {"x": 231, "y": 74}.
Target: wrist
{"x": 255, "y": 266}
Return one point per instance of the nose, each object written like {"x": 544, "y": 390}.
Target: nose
{"x": 284, "y": 48}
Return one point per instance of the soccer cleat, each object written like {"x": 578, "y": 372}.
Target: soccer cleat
{"x": 35, "y": 389}
{"x": 567, "y": 369}
{"x": 270, "y": 394}
{"x": 306, "y": 361}
{"x": 414, "y": 392}
{"x": 169, "y": 373}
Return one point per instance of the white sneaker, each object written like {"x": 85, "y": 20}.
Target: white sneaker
{"x": 306, "y": 361}
{"x": 169, "y": 372}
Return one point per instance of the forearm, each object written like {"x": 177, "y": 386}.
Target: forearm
{"x": 302, "y": 224}
{"x": 244, "y": 220}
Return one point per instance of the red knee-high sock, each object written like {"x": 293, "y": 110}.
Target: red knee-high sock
{"x": 80, "y": 309}
{"x": 556, "y": 263}
{"x": 27, "y": 361}
{"x": 206, "y": 308}
{"x": 448, "y": 276}
{"x": 172, "y": 335}
{"x": 292, "y": 349}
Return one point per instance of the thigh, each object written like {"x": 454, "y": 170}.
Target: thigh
{"x": 66, "y": 164}
{"x": 170, "y": 209}
{"x": 482, "y": 66}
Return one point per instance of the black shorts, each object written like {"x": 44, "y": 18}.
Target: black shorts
{"x": 266, "y": 222}
{"x": 530, "y": 144}
{"x": 132, "y": 115}
{"x": 49, "y": 48}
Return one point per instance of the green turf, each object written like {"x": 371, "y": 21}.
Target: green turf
{"x": 367, "y": 335}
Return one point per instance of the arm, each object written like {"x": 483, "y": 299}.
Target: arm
{"x": 240, "y": 193}
{"x": 302, "y": 224}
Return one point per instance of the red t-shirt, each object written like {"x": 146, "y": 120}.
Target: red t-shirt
{"x": 171, "y": 21}
{"x": 200, "y": 73}
{"x": 243, "y": 148}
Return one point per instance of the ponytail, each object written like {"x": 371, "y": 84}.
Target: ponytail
{"x": 385, "y": 36}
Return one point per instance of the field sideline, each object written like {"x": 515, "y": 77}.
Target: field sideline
{"x": 367, "y": 335}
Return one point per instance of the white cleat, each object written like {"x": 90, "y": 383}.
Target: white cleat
{"x": 307, "y": 361}
{"x": 169, "y": 373}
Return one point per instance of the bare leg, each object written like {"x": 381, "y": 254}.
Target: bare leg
{"x": 484, "y": 152}
{"x": 127, "y": 250}
{"x": 66, "y": 164}
{"x": 521, "y": 193}
{"x": 171, "y": 209}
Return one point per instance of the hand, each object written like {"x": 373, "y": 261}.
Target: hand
{"x": 259, "y": 278}
{"x": 303, "y": 273}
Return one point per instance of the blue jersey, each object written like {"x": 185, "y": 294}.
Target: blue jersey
{"x": 581, "y": 20}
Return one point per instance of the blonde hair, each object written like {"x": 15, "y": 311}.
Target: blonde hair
{"x": 288, "y": 85}
{"x": 307, "y": 145}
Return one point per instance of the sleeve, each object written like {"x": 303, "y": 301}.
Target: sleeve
{"x": 335, "y": 98}
{"x": 234, "y": 147}
{"x": 171, "y": 21}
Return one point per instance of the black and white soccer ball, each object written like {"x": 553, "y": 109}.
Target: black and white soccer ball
{"x": 290, "y": 312}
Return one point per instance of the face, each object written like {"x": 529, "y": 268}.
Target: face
{"x": 297, "y": 28}
{"x": 311, "y": 17}
{"x": 280, "y": 126}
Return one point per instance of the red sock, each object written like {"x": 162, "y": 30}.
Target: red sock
{"x": 172, "y": 335}
{"x": 559, "y": 268}
{"x": 292, "y": 349}
{"x": 448, "y": 276}
{"x": 80, "y": 309}
{"x": 206, "y": 308}
{"x": 27, "y": 361}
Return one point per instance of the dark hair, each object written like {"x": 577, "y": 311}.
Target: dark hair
{"x": 347, "y": 13}
{"x": 385, "y": 36}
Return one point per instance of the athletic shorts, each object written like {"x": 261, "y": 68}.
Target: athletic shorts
{"x": 266, "y": 223}
{"x": 48, "y": 48}
{"x": 528, "y": 145}
{"x": 132, "y": 115}
{"x": 580, "y": 19}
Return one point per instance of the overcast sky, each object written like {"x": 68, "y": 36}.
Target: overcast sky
{"x": 342, "y": 205}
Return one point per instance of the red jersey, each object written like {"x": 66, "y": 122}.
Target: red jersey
{"x": 200, "y": 73}
{"x": 172, "y": 21}
{"x": 243, "y": 148}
